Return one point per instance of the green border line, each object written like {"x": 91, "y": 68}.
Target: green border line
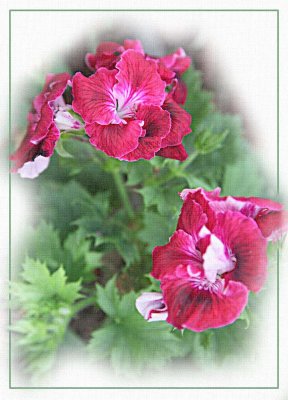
{"x": 278, "y": 191}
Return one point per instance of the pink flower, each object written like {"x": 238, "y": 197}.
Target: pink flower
{"x": 269, "y": 215}
{"x": 215, "y": 257}
{"x": 48, "y": 116}
{"x": 170, "y": 67}
{"x": 127, "y": 112}
{"x": 108, "y": 53}
{"x": 177, "y": 62}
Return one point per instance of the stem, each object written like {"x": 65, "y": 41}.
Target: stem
{"x": 88, "y": 301}
{"x": 189, "y": 160}
{"x": 123, "y": 193}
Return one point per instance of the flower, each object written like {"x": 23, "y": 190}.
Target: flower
{"x": 108, "y": 53}
{"x": 170, "y": 67}
{"x": 48, "y": 116}
{"x": 152, "y": 306}
{"x": 177, "y": 62}
{"x": 215, "y": 257}
{"x": 127, "y": 112}
{"x": 269, "y": 215}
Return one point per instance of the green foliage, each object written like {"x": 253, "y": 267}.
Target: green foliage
{"x": 43, "y": 242}
{"x": 45, "y": 300}
{"x": 126, "y": 339}
{"x": 206, "y": 142}
{"x": 199, "y": 101}
{"x": 86, "y": 228}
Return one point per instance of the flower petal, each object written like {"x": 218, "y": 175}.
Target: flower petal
{"x": 179, "y": 251}
{"x": 177, "y": 61}
{"x": 216, "y": 259}
{"x": 273, "y": 225}
{"x": 199, "y": 309}
{"x": 138, "y": 81}
{"x": 152, "y": 306}
{"x": 115, "y": 140}
{"x": 134, "y": 45}
{"x": 107, "y": 54}
{"x": 180, "y": 123}
{"x": 157, "y": 125}
{"x": 175, "y": 152}
{"x": 32, "y": 169}
{"x": 93, "y": 97}
{"x": 192, "y": 218}
{"x": 244, "y": 239}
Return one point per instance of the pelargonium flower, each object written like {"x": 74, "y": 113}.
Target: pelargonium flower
{"x": 269, "y": 215}
{"x": 48, "y": 116}
{"x": 170, "y": 67}
{"x": 127, "y": 112}
{"x": 215, "y": 257}
{"x": 108, "y": 53}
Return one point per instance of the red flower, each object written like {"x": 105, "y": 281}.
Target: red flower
{"x": 127, "y": 112}
{"x": 269, "y": 215}
{"x": 170, "y": 67}
{"x": 49, "y": 114}
{"x": 215, "y": 257}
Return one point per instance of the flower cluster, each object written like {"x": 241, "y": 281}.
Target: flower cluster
{"x": 215, "y": 257}
{"x": 129, "y": 107}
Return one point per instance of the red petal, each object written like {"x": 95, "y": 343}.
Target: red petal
{"x": 181, "y": 121}
{"x": 179, "y": 251}
{"x": 177, "y": 61}
{"x": 243, "y": 237}
{"x": 192, "y": 218}
{"x": 202, "y": 197}
{"x": 115, "y": 140}
{"x": 134, "y": 45}
{"x": 139, "y": 81}
{"x": 175, "y": 152}
{"x": 93, "y": 97}
{"x": 180, "y": 92}
{"x": 198, "y": 309}
{"x": 146, "y": 149}
{"x": 273, "y": 225}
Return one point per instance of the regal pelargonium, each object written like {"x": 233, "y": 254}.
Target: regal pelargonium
{"x": 215, "y": 257}
{"x": 49, "y": 115}
{"x": 128, "y": 113}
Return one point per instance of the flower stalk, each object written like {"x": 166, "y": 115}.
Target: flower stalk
{"x": 120, "y": 185}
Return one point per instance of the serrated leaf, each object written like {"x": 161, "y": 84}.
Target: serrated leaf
{"x": 108, "y": 298}
{"x": 40, "y": 284}
{"x": 206, "y": 142}
{"x": 131, "y": 343}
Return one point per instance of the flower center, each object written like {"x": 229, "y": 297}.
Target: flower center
{"x": 205, "y": 284}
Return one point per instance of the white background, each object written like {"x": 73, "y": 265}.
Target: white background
{"x": 240, "y": 49}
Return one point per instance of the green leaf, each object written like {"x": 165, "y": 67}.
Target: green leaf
{"x": 43, "y": 242}
{"x": 157, "y": 229}
{"x": 199, "y": 101}
{"x": 206, "y": 142}
{"x": 39, "y": 284}
{"x": 61, "y": 151}
{"x": 130, "y": 342}
{"x": 137, "y": 172}
{"x": 108, "y": 298}
{"x": 45, "y": 300}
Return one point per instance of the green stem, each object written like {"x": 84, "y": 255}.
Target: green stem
{"x": 189, "y": 160}
{"x": 88, "y": 301}
{"x": 120, "y": 185}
